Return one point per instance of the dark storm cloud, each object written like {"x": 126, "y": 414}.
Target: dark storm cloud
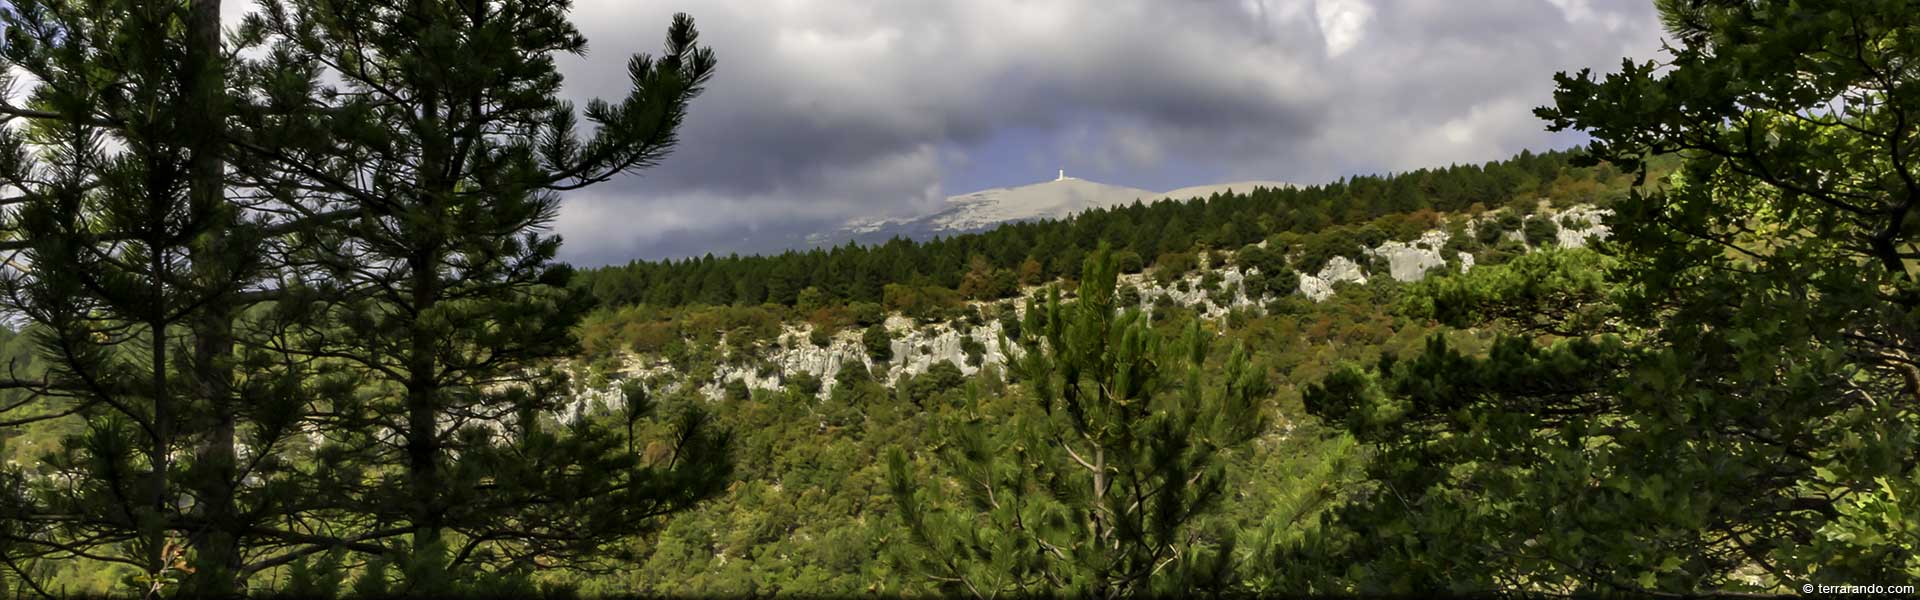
{"x": 828, "y": 109}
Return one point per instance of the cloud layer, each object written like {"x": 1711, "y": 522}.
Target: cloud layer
{"x": 829, "y": 109}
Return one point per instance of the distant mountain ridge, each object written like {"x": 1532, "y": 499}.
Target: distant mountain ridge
{"x": 1057, "y": 199}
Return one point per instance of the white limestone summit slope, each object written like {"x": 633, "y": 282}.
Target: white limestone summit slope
{"x": 1058, "y": 199}
{"x": 1055, "y": 199}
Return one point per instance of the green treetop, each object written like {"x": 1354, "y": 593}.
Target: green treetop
{"x": 1734, "y": 409}
{"x": 1098, "y": 478}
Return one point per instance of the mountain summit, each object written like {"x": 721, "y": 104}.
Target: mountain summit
{"x": 1057, "y": 199}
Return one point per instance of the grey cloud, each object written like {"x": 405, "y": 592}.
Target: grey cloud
{"x": 827, "y": 109}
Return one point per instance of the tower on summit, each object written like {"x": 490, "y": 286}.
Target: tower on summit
{"x": 1063, "y": 175}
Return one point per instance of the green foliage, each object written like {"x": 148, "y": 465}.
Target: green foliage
{"x": 940, "y": 378}
{"x": 292, "y": 307}
{"x": 1129, "y": 295}
{"x": 316, "y": 576}
{"x": 878, "y": 342}
{"x": 1104, "y": 479}
{"x": 1721, "y": 405}
{"x": 811, "y": 514}
{"x": 819, "y": 337}
{"x": 1283, "y": 283}
{"x": 866, "y": 313}
{"x": 804, "y": 382}
{"x": 975, "y": 351}
{"x": 1009, "y": 321}
{"x": 1541, "y": 231}
{"x": 925, "y": 304}
{"x": 809, "y": 299}
{"x": 1172, "y": 267}
{"x": 1489, "y": 232}
{"x": 1722, "y": 394}
{"x": 1128, "y": 261}
{"x": 1319, "y": 248}
{"x": 1561, "y": 292}
{"x": 1254, "y": 256}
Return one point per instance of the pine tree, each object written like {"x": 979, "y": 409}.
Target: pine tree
{"x": 1102, "y": 479}
{"x": 409, "y": 297}
{"x": 445, "y": 146}
{"x": 133, "y": 263}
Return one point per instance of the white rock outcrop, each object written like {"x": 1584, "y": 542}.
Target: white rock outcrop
{"x": 1319, "y": 286}
{"x": 916, "y": 348}
{"x": 1586, "y": 215}
{"x": 1409, "y": 261}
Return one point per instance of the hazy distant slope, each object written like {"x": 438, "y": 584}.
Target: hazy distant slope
{"x": 1051, "y": 200}
{"x": 1057, "y": 199}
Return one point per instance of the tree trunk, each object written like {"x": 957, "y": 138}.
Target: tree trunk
{"x": 154, "y": 528}
{"x": 423, "y": 441}
{"x": 423, "y": 385}
{"x": 217, "y": 539}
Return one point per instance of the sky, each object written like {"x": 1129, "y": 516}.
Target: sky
{"x": 823, "y": 110}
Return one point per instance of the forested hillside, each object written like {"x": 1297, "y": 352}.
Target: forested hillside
{"x": 816, "y": 511}
{"x": 1323, "y": 220}
{"x": 285, "y": 319}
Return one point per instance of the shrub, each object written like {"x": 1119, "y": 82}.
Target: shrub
{"x": 1256, "y": 283}
{"x": 1372, "y": 235}
{"x": 1289, "y": 305}
{"x": 1173, "y": 266}
{"x": 1321, "y": 247}
{"x": 1524, "y": 205}
{"x": 1239, "y": 318}
{"x": 648, "y": 338}
{"x": 1221, "y": 296}
{"x": 879, "y": 344}
{"x": 866, "y": 313}
{"x": 1163, "y": 307}
{"x": 1378, "y": 266}
{"x": 1211, "y": 280}
{"x": 1488, "y": 232}
{"x": 1500, "y": 253}
{"x": 1129, "y": 261}
{"x": 1009, "y": 321}
{"x": 1511, "y": 220}
{"x": 1283, "y": 283}
{"x": 976, "y": 352}
{"x": 820, "y": 337}
{"x": 852, "y": 372}
{"x": 1256, "y": 257}
{"x": 1541, "y": 231}
{"x": 939, "y": 378}
{"x": 1129, "y": 295}
{"x": 1459, "y": 241}
{"x": 804, "y": 382}
{"x": 922, "y": 303}
{"x": 811, "y": 299}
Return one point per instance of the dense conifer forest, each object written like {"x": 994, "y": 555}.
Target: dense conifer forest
{"x": 285, "y": 318}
